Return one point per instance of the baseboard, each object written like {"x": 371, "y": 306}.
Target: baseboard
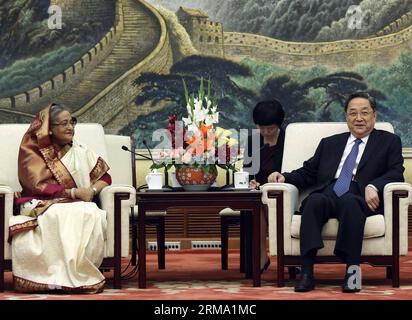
{"x": 187, "y": 243}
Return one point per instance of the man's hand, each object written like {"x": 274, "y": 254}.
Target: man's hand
{"x": 276, "y": 177}
{"x": 84, "y": 194}
{"x": 371, "y": 198}
{"x": 253, "y": 184}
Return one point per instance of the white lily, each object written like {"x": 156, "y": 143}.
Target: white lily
{"x": 198, "y": 103}
{"x": 189, "y": 109}
{"x": 209, "y": 119}
{"x": 215, "y": 117}
{"x": 199, "y": 112}
{"x": 200, "y": 115}
{"x": 193, "y": 129}
{"x": 209, "y": 103}
{"x": 187, "y": 121}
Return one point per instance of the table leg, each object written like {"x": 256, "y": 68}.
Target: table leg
{"x": 243, "y": 224}
{"x": 134, "y": 239}
{"x": 248, "y": 223}
{"x": 142, "y": 246}
{"x": 256, "y": 245}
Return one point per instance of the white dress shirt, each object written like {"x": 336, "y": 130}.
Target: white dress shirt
{"x": 348, "y": 148}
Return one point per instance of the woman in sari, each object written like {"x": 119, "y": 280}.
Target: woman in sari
{"x": 58, "y": 240}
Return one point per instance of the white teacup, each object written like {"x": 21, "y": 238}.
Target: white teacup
{"x": 175, "y": 183}
{"x": 154, "y": 180}
{"x": 241, "y": 180}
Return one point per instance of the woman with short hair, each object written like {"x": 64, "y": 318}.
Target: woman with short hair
{"x": 268, "y": 117}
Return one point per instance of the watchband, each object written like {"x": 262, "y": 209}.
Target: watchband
{"x": 73, "y": 193}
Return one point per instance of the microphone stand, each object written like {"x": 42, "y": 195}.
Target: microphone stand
{"x": 227, "y": 186}
{"x": 166, "y": 186}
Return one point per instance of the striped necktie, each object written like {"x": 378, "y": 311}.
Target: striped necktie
{"x": 345, "y": 177}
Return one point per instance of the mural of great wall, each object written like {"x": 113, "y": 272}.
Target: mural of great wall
{"x": 99, "y": 86}
{"x": 137, "y": 42}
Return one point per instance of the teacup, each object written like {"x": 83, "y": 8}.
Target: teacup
{"x": 241, "y": 180}
{"x": 154, "y": 180}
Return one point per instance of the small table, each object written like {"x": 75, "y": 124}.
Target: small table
{"x": 236, "y": 200}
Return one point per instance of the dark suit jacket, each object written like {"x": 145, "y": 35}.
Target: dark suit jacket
{"x": 381, "y": 163}
{"x": 270, "y": 158}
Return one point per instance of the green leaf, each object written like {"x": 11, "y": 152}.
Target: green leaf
{"x": 186, "y": 91}
{"x": 156, "y": 166}
{"x": 201, "y": 90}
{"x": 192, "y": 106}
{"x": 208, "y": 89}
{"x": 215, "y": 99}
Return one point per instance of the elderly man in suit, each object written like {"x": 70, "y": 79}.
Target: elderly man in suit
{"x": 348, "y": 173}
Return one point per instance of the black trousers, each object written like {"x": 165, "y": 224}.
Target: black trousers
{"x": 350, "y": 209}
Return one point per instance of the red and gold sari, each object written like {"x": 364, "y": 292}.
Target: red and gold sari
{"x": 57, "y": 243}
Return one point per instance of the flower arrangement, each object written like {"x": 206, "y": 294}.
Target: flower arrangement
{"x": 197, "y": 141}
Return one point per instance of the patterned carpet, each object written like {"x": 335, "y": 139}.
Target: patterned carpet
{"x": 196, "y": 275}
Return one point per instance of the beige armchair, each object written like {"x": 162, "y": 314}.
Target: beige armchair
{"x": 124, "y": 172}
{"x": 116, "y": 199}
{"x": 385, "y": 236}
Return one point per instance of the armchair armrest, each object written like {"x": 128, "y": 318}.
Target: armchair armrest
{"x": 397, "y": 198}
{"x": 117, "y": 200}
{"x": 281, "y": 202}
{"x": 6, "y": 212}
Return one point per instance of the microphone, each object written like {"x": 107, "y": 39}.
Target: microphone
{"x": 135, "y": 153}
{"x": 151, "y": 159}
{"x": 165, "y": 168}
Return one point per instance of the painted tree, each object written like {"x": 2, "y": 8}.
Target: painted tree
{"x": 294, "y": 96}
{"x": 338, "y": 86}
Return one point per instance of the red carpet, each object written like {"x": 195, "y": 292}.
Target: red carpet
{"x": 196, "y": 275}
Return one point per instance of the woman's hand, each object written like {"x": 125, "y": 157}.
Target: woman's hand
{"x": 276, "y": 177}
{"x": 84, "y": 194}
{"x": 253, "y": 184}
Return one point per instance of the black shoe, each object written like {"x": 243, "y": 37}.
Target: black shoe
{"x": 348, "y": 286}
{"x": 266, "y": 266}
{"x": 306, "y": 282}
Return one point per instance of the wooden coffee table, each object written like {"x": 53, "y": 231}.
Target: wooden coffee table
{"x": 236, "y": 200}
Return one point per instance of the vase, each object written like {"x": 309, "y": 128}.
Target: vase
{"x": 195, "y": 179}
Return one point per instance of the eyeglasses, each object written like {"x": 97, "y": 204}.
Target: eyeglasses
{"x": 363, "y": 114}
{"x": 66, "y": 123}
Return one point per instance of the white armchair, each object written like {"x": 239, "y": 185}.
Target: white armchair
{"x": 385, "y": 236}
{"x": 116, "y": 199}
{"x": 124, "y": 172}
